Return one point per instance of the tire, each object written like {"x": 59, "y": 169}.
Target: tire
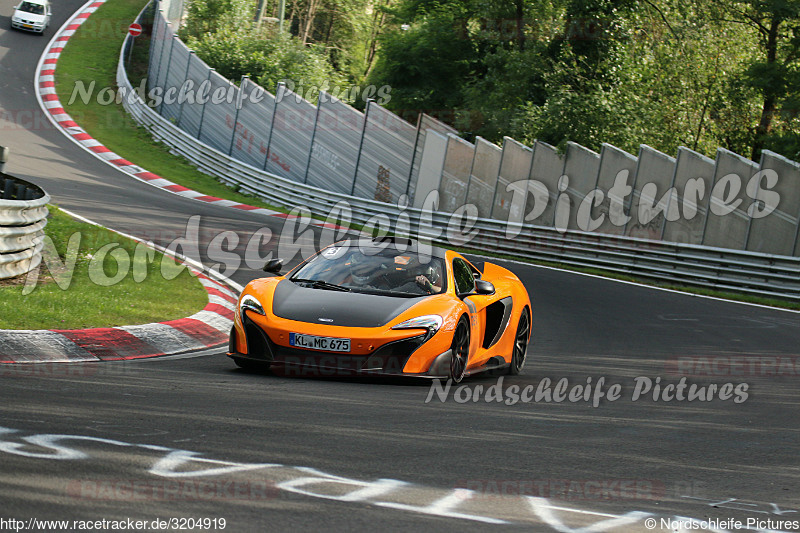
{"x": 460, "y": 351}
{"x": 521, "y": 338}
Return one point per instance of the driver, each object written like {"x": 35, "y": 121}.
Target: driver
{"x": 364, "y": 271}
{"x": 429, "y": 280}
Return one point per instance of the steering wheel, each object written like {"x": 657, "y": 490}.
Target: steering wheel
{"x": 425, "y": 285}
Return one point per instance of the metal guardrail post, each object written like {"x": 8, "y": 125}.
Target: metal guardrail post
{"x": 313, "y": 135}
{"x": 238, "y": 106}
{"x": 156, "y": 9}
{"x": 669, "y": 200}
{"x": 4, "y": 153}
{"x": 169, "y": 64}
{"x": 185, "y": 79}
{"x": 413, "y": 158}
{"x": 163, "y": 46}
{"x": 203, "y": 111}
{"x": 759, "y": 203}
{"x": 361, "y": 145}
{"x": 278, "y": 96}
{"x": 497, "y": 181}
{"x": 471, "y": 168}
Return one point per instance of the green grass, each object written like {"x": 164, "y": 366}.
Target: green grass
{"x": 84, "y": 299}
{"x": 92, "y": 55}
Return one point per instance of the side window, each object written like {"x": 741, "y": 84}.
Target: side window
{"x": 465, "y": 282}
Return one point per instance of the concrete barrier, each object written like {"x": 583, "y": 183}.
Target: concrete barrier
{"x": 615, "y": 165}
{"x": 483, "y": 176}
{"x": 726, "y": 227}
{"x": 650, "y": 207}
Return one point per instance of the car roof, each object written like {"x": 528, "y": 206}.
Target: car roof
{"x": 37, "y": 2}
{"x": 406, "y": 245}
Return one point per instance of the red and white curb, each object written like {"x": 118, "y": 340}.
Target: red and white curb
{"x": 207, "y": 328}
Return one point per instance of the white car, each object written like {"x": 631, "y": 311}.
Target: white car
{"x": 32, "y": 15}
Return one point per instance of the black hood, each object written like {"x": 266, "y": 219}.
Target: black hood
{"x": 336, "y": 308}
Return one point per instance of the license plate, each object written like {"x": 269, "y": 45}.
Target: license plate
{"x": 29, "y": 26}
{"x": 329, "y": 344}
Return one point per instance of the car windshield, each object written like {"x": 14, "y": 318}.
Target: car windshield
{"x": 28, "y": 7}
{"x": 386, "y": 272}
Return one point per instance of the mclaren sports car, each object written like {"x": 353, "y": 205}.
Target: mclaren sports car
{"x": 390, "y": 307}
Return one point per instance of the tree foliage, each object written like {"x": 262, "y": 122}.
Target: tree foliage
{"x": 667, "y": 73}
{"x": 698, "y": 73}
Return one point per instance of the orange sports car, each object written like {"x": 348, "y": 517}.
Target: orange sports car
{"x": 391, "y": 307}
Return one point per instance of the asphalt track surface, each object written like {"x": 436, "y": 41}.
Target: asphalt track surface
{"x": 192, "y": 437}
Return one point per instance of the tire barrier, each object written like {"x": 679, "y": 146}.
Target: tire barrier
{"x": 23, "y": 216}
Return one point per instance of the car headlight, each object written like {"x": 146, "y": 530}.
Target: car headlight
{"x": 430, "y": 322}
{"x": 250, "y": 302}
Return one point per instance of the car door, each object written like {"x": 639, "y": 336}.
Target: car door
{"x": 464, "y": 276}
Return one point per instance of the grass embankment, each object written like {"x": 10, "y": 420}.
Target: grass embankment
{"x": 92, "y": 55}
{"x": 88, "y": 295}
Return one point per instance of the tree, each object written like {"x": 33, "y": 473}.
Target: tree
{"x": 775, "y": 75}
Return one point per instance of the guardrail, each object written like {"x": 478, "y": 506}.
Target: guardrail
{"x": 23, "y": 216}
{"x": 699, "y": 266}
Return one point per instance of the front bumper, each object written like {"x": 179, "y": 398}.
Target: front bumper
{"x": 387, "y": 360}
{"x": 28, "y": 26}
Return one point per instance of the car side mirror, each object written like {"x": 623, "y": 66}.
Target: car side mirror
{"x": 273, "y": 266}
{"x": 483, "y": 287}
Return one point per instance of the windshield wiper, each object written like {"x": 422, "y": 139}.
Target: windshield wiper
{"x": 320, "y": 284}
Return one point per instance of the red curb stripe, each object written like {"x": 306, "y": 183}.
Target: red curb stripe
{"x": 121, "y": 162}
{"x": 148, "y": 176}
{"x": 108, "y": 343}
{"x": 200, "y": 331}
{"x": 59, "y": 111}
{"x": 245, "y": 207}
{"x": 223, "y": 295}
{"x": 177, "y": 188}
{"x": 49, "y": 97}
{"x": 82, "y": 137}
{"x": 208, "y": 198}
{"x": 99, "y": 149}
{"x": 56, "y": 50}
{"x": 51, "y": 61}
{"x": 220, "y": 310}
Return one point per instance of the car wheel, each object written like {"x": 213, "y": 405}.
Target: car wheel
{"x": 520, "y": 344}
{"x": 460, "y": 351}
